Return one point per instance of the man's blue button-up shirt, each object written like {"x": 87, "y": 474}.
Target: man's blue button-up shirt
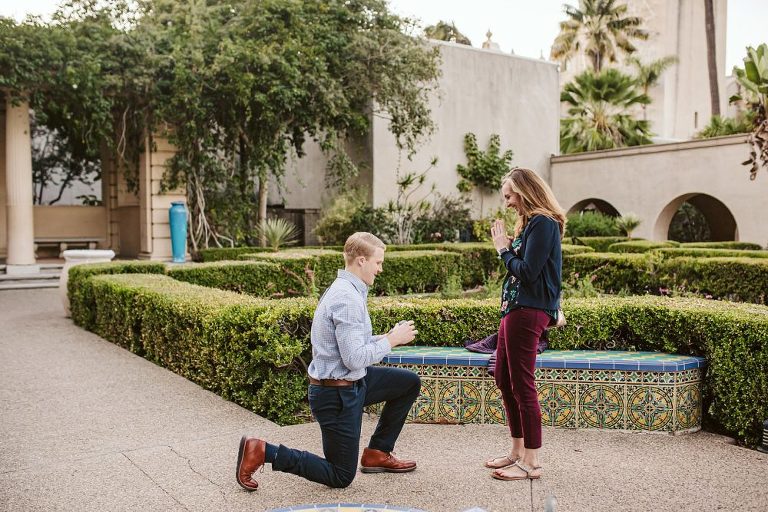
{"x": 343, "y": 345}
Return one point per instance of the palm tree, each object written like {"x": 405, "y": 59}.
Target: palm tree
{"x": 444, "y": 31}
{"x": 647, "y": 75}
{"x": 599, "y": 28}
{"x": 714, "y": 90}
{"x": 599, "y": 112}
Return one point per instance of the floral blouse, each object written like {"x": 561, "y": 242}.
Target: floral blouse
{"x": 511, "y": 286}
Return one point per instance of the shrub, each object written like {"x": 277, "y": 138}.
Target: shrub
{"x": 575, "y": 249}
{"x": 254, "y": 352}
{"x": 416, "y": 271}
{"x": 703, "y": 252}
{"x": 628, "y": 223}
{"x": 481, "y": 228}
{"x": 739, "y": 279}
{"x": 334, "y": 227}
{"x": 591, "y": 224}
{"x": 81, "y": 300}
{"x": 640, "y": 246}
{"x": 306, "y": 270}
{"x": 613, "y": 272}
{"x": 448, "y": 216}
{"x": 258, "y": 278}
{"x": 599, "y": 243}
{"x": 227, "y": 253}
{"x": 277, "y": 232}
{"x": 723, "y": 245}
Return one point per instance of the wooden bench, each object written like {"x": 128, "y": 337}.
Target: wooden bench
{"x": 615, "y": 390}
{"x": 64, "y": 242}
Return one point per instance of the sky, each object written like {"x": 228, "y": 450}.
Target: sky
{"x": 526, "y": 27}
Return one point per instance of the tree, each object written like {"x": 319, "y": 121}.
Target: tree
{"x": 754, "y": 81}
{"x": 714, "y": 90}
{"x": 444, "y": 31}
{"x": 647, "y": 75}
{"x": 599, "y": 112}
{"x": 600, "y": 29}
{"x": 251, "y": 81}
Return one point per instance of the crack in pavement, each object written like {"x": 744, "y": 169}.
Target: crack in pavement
{"x": 189, "y": 463}
{"x": 154, "y": 482}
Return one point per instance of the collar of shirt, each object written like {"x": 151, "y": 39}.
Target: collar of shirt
{"x": 358, "y": 283}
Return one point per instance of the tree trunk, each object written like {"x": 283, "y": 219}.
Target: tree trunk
{"x": 262, "y": 205}
{"x": 714, "y": 91}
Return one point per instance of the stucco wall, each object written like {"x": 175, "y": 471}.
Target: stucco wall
{"x": 652, "y": 182}
{"x": 482, "y": 92}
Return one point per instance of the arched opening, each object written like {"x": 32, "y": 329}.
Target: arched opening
{"x": 696, "y": 218}
{"x": 594, "y": 205}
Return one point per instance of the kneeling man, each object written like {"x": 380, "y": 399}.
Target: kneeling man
{"x": 342, "y": 382}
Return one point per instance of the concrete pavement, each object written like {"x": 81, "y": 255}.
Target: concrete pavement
{"x": 86, "y": 425}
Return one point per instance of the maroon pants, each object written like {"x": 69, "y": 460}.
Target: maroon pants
{"x": 519, "y": 333}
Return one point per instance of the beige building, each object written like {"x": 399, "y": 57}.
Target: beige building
{"x": 480, "y": 91}
{"x": 681, "y": 101}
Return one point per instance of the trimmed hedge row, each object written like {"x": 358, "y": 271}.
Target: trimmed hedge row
{"x": 640, "y": 246}
{"x": 576, "y": 249}
{"x": 723, "y": 245}
{"x": 257, "y": 278}
{"x": 739, "y": 279}
{"x": 599, "y": 243}
{"x": 254, "y": 352}
{"x": 702, "y": 252}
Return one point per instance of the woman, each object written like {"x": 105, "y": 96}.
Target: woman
{"x": 529, "y": 303}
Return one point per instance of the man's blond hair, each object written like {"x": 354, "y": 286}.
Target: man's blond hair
{"x": 361, "y": 244}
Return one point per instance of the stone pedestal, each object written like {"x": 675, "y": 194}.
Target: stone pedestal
{"x": 78, "y": 257}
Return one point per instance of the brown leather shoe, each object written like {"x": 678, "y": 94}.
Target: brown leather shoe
{"x": 377, "y": 461}
{"x": 250, "y": 458}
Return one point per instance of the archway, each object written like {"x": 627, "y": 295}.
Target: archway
{"x": 594, "y": 205}
{"x": 719, "y": 219}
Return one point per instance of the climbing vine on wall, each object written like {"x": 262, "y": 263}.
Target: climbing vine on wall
{"x": 484, "y": 169}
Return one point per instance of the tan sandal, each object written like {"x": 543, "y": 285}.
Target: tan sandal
{"x": 529, "y": 473}
{"x": 506, "y": 460}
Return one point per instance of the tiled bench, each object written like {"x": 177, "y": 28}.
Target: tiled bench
{"x": 577, "y": 388}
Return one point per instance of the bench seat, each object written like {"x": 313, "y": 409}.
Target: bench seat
{"x": 616, "y": 390}
{"x": 64, "y": 243}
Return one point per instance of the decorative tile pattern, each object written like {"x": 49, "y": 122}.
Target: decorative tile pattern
{"x": 345, "y": 507}
{"x": 577, "y": 389}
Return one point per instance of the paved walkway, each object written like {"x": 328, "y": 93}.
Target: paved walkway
{"x": 85, "y": 425}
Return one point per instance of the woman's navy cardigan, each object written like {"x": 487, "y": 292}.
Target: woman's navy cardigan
{"x": 540, "y": 267}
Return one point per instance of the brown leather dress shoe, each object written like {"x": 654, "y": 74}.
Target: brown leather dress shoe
{"x": 250, "y": 458}
{"x": 377, "y": 461}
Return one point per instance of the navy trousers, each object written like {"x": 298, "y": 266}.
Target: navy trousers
{"x": 339, "y": 412}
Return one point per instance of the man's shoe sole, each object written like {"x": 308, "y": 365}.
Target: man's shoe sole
{"x": 364, "y": 469}
{"x": 239, "y": 462}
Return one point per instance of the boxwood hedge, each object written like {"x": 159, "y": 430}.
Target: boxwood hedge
{"x": 255, "y": 351}
{"x": 724, "y": 245}
{"x": 702, "y": 252}
{"x": 640, "y": 246}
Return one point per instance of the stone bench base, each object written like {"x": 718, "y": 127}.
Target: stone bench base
{"x": 577, "y": 389}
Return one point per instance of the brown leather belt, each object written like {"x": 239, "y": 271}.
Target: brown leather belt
{"x": 331, "y": 383}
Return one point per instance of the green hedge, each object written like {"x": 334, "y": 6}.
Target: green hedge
{"x": 739, "y": 279}
{"x": 226, "y": 253}
{"x": 81, "y": 300}
{"x": 674, "y": 252}
{"x": 640, "y": 246}
{"x": 258, "y": 278}
{"x": 723, "y": 245}
{"x": 613, "y": 272}
{"x": 254, "y": 352}
{"x": 598, "y": 243}
{"x": 576, "y": 249}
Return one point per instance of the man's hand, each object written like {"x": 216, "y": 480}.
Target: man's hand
{"x": 402, "y": 333}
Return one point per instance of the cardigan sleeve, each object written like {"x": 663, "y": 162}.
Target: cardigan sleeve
{"x": 541, "y": 236}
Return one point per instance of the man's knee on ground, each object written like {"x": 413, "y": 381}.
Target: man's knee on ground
{"x": 343, "y": 479}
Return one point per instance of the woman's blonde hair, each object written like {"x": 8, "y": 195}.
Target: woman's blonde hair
{"x": 536, "y": 198}
{"x": 361, "y": 244}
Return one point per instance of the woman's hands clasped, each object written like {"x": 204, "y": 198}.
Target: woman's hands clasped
{"x": 499, "y": 235}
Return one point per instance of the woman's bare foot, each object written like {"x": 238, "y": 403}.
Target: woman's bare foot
{"x": 501, "y": 462}
{"x": 517, "y": 471}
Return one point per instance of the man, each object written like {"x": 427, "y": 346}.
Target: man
{"x": 342, "y": 382}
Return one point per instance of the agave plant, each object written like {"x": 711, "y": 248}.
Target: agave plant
{"x": 278, "y": 232}
{"x": 628, "y": 223}
{"x": 754, "y": 79}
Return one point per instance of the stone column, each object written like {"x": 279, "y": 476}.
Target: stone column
{"x": 18, "y": 182}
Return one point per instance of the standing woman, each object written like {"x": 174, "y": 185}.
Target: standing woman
{"x": 529, "y": 303}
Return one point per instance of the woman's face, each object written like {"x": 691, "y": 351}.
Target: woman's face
{"x": 511, "y": 199}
